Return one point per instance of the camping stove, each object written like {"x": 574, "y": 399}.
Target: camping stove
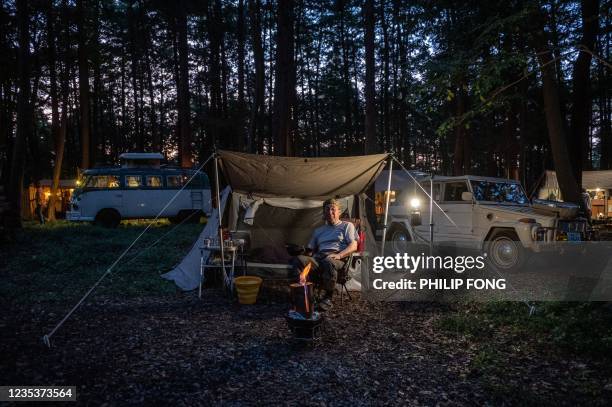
{"x": 306, "y": 329}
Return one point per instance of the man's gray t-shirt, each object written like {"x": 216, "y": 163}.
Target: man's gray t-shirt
{"x": 333, "y": 238}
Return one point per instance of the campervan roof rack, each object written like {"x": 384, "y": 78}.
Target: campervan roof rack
{"x": 136, "y": 160}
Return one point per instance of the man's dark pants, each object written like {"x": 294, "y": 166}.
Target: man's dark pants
{"x": 325, "y": 270}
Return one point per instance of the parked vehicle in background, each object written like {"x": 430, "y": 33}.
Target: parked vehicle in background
{"x": 140, "y": 189}
{"x": 490, "y": 214}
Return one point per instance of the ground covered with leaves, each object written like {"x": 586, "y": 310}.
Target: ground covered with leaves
{"x": 156, "y": 345}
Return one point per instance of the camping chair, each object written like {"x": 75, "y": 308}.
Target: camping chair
{"x": 344, "y": 275}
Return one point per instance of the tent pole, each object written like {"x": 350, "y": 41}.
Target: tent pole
{"x": 220, "y": 231}
{"x": 384, "y": 238}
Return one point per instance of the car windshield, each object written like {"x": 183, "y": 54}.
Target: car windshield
{"x": 506, "y": 192}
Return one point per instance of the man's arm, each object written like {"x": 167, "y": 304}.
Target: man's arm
{"x": 312, "y": 245}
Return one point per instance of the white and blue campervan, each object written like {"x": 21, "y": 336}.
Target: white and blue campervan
{"x": 139, "y": 189}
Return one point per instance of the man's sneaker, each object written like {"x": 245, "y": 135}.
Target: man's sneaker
{"x": 325, "y": 304}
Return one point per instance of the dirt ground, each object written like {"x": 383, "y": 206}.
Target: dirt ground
{"x": 179, "y": 349}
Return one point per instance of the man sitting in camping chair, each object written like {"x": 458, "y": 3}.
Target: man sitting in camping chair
{"x": 329, "y": 249}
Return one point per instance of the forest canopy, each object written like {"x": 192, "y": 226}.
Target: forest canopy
{"x": 501, "y": 88}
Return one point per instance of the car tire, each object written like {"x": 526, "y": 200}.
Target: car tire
{"x": 108, "y": 218}
{"x": 399, "y": 237}
{"x": 505, "y": 252}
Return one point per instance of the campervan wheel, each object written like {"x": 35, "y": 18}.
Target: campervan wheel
{"x": 109, "y": 218}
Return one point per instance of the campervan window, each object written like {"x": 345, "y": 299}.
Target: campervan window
{"x": 174, "y": 181}
{"x": 133, "y": 181}
{"x": 102, "y": 181}
{"x": 154, "y": 181}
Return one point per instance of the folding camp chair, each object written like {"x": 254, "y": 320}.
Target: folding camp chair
{"x": 353, "y": 264}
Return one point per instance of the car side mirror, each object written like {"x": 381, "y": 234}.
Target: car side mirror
{"x": 466, "y": 196}
{"x": 415, "y": 219}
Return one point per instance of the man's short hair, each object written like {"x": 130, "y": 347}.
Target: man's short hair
{"x": 332, "y": 201}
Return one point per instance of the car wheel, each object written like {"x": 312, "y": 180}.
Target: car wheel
{"x": 399, "y": 237}
{"x": 505, "y": 251}
{"x": 108, "y": 218}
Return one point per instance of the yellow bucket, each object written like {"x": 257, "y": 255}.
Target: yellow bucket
{"x": 247, "y": 288}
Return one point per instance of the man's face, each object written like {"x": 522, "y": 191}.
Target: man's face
{"x": 331, "y": 214}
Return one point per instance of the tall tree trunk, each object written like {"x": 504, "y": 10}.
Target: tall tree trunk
{"x": 55, "y": 126}
{"x": 603, "y": 77}
{"x": 460, "y": 163}
{"x": 581, "y": 94}
{"x": 184, "y": 113}
{"x": 215, "y": 33}
{"x": 97, "y": 133}
{"x": 83, "y": 85}
{"x": 385, "y": 86}
{"x": 346, "y": 79}
{"x": 284, "y": 91}
{"x": 134, "y": 34}
{"x": 371, "y": 146}
{"x": 239, "y": 143}
{"x": 24, "y": 114}
{"x": 257, "y": 119}
{"x": 554, "y": 119}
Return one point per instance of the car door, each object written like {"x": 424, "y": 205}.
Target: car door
{"x": 132, "y": 196}
{"x": 455, "y": 221}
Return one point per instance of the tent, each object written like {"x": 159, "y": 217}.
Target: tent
{"x": 597, "y": 183}
{"x": 271, "y": 201}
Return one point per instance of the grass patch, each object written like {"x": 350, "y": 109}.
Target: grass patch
{"x": 59, "y": 261}
{"x": 583, "y": 328}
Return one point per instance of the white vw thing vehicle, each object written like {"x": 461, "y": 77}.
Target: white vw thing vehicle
{"x": 490, "y": 214}
{"x": 140, "y": 189}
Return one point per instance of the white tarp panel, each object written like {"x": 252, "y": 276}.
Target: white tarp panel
{"x": 187, "y": 274}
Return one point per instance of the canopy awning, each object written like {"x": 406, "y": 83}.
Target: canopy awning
{"x": 597, "y": 179}
{"x": 300, "y": 177}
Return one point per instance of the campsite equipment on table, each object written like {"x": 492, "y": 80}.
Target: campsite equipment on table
{"x": 210, "y": 260}
{"x": 247, "y": 288}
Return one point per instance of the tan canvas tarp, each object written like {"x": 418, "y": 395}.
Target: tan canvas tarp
{"x": 300, "y": 177}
